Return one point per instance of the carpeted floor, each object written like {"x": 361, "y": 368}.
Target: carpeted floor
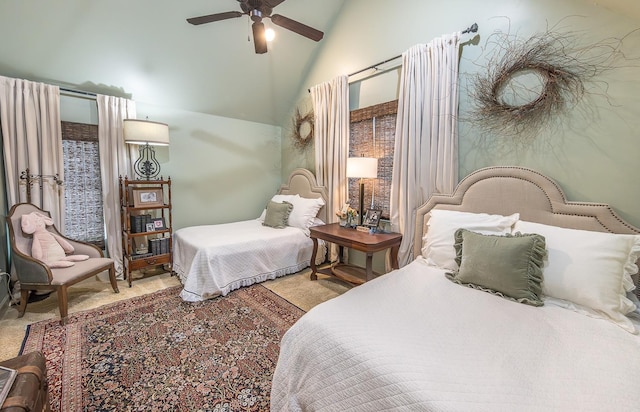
{"x": 156, "y": 352}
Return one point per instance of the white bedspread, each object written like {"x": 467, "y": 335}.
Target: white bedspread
{"x": 412, "y": 340}
{"x": 213, "y": 260}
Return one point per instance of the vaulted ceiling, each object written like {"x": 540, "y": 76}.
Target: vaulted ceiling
{"x": 146, "y": 50}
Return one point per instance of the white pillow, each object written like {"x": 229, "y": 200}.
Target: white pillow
{"x": 304, "y": 210}
{"x": 438, "y": 242}
{"x": 591, "y": 269}
{"x": 317, "y": 222}
{"x": 284, "y": 198}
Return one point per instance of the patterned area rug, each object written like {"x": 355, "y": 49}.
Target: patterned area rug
{"x": 156, "y": 352}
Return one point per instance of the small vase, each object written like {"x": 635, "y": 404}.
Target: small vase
{"x": 343, "y": 222}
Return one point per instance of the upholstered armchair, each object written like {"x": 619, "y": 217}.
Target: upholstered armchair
{"x": 34, "y": 274}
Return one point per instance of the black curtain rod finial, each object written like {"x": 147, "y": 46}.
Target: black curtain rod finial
{"x": 472, "y": 29}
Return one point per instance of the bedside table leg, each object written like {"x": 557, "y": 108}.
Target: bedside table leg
{"x": 394, "y": 257}
{"x": 369, "y": 266}
{"x": 314, "y": 269}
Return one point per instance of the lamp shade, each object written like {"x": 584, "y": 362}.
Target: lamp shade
{"x": 145, "y": 131}
{"x": 362, "y": 167}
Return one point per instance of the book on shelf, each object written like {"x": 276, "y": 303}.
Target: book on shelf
{"x": 164, "y": 245}
{"x": 159, "y": 245}
{"x": 7, "y": 376}
{"x": 141, "y": 256}
{"x": 154, "y": 246}
{"x": 134, "y": 223}
{"x": 139, "y": 223}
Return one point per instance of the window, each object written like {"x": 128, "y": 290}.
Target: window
{"x": 83, "y": 187}
{"x": 372, "y": 134}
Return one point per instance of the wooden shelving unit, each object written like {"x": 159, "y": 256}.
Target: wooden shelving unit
{"x": 145, "y": 202}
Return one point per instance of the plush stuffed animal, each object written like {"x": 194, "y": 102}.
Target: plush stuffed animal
{"x": 47, "y": 246}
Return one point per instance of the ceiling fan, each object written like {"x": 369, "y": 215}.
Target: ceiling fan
{"x": 257, "y": 10}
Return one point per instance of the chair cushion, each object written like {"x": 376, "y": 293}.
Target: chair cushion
{"x": 80, "y": 271}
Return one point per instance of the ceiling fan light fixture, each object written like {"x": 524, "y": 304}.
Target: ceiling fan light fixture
{"x": 269, "y": 34}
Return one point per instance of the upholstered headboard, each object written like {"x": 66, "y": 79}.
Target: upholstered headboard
{"x": 303, "y": 182}
{"x": 507, "y": 190}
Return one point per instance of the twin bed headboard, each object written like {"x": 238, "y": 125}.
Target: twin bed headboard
{"x": 303, "y": 182}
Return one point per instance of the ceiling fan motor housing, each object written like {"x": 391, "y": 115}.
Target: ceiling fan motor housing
{"x": 256, "y": 15}
{"x": 251, "y": 6}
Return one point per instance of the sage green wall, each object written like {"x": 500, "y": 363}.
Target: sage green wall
{"x": 221, "y": 169}
{"x": 591, "y": 153}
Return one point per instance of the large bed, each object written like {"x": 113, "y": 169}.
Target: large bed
{"x": 426, "y": 338}
{"x": 212, "y": 260}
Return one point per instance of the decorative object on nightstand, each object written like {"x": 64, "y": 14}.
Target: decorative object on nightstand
{"x": 147, "y": 134}
{"x": 372, "y": 218}
{"x": 146, "y": 224}
{"x": 362, "y": 168}
{"x": 347, "y": 216}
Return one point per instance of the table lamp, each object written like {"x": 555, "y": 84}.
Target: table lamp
{"x": 147, "y": 134}
{"x": 362, "y": 168}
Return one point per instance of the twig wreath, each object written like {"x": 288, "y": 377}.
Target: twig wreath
{"x": 529, "y": 82}
{"x": 302, "y": 133}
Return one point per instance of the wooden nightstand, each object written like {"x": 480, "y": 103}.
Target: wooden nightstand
{"x": 354, "y": 239}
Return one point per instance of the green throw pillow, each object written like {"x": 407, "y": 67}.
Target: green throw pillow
{"x": 509, "y": 266}
{"x": 277, "y": 215}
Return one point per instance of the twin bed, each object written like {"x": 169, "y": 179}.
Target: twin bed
{"x": 212, "y": 260}
{"x": 460, "y": 329}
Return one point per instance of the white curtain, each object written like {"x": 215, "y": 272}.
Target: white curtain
{"x": 115, "y": 161}
{"x": 331, "y": 125}
{"x": 32, "y": 138}
{"x": 426, "y": 144}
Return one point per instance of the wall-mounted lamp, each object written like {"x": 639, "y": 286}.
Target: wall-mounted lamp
{"x": 147, "y": 134}
{"x": 362, "y": 168}
{"x": 29, "y": 178}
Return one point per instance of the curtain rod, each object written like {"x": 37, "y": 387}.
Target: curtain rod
{"x": 472, "y": 29}
{"x": 87, "y": 95}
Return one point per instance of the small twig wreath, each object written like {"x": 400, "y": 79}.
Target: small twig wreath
{"x": 559, "y": 64}
{"x": 302, "y": 133}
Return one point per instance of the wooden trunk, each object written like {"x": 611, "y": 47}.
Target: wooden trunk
{"x": 29, "y": 390}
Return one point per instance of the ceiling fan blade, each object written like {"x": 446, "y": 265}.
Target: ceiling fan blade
{"x": 272, "y": 3}
{"x": 214, "y": 17}
{"x": 297, "y": 27}
{"x": 259, "y": 38}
